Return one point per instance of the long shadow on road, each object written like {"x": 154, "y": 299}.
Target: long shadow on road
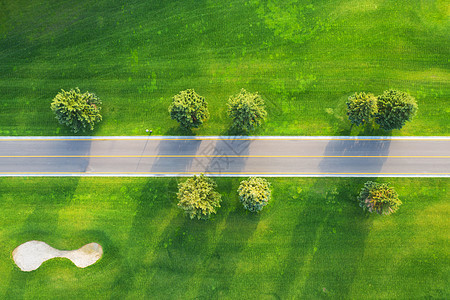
{"x": 44, "y": 148}
{"x": 354, "y": 164}
{"x": 221, "y": 150}
{"x": 205, "y": 156}
{"x": 164, "y": 165}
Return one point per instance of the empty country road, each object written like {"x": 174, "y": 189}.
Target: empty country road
{"x": 226, "y": 156}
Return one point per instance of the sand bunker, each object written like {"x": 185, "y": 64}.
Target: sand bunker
{"x": 30, "y": 255}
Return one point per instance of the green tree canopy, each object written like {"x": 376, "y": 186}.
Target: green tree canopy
{"x": 394, "y": 109}
{"x": 361, "y": 108}
{"x": 379, "y": 198}
{"x": 254, "y": 193}
{"x": 198, "y": 198}
{"x": 189, "y": 109}
{"x": 247, "y": 110}
{"x": 79, "y": 111}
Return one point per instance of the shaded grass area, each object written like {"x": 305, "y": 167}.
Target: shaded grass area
{"x": 311, "y": 241}
{"x": 304, "y": 58}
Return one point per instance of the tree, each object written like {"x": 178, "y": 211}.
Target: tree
{"x": 361, "y": 108}
{"x": 79, "y": 111}
{"x": 198, "y": 198}
{"x": 254, "y": 193}
{"x": 379, "y": 198}
{"x": 394, "y": 109}
{"x": 247, "y": 110}
{"x": 189, "y": 109}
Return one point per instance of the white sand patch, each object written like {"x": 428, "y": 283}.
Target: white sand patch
{"x": 30, "y": 255}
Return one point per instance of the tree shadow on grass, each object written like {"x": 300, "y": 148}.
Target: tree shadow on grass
{"x": 233, "y": 131}
{"x": 371, "y": 129}
{"x": 179, "y": 131}
{"x": 181, "y": 252}
{"x": 375, "y": 131}
{"x": 327, "y": 244}
{"x": 221, "y": 264}
{"x": 162, "y": 255}
{"x": 152, "y": 199}
{"x": 341, "y": 246}
{"x": 344, "y": 131}
{"x": 301, "y": 244}
{"x": 96, "y": 277}
{"x": 41, "y": 225}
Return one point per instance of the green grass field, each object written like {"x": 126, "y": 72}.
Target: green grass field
{"x": 311, "y": 242}
{"x": 304, "y": 59}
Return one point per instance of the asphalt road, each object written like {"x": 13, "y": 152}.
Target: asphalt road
{"x": 225, "y": 156}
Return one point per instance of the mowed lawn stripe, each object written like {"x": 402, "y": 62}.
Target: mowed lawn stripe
{"x": 311, "y": 241}
{"x": 135, "y": 56}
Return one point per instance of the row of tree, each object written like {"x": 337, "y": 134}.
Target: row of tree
{"x": 247, "y": 110}
{"x": 81, "y": 111}
{"x": 391, "y": 110}
{"x": 199, "y": 199}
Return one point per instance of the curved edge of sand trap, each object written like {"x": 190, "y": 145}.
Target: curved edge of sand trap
{"x": 30, "y": 255}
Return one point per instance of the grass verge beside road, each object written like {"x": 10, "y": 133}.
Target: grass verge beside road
{"x": 304, "y": 61}
{"x": 312, "y": 240}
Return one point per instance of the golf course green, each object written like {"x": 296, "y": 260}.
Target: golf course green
{"x": 304, "y": 57}
{"x": 312, "y": 241}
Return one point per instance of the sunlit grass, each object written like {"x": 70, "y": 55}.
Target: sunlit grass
{"x": 136, "y": 55}
{"x": 311, "y": 241}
